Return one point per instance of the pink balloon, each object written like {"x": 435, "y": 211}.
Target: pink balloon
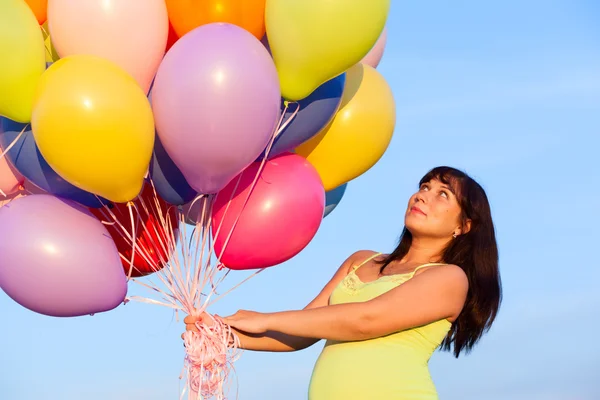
{"x": 282, "y": 215}
{"x": 373, "y": 58}
{"x": 216, "y": 102}
{"x": 131, "y": 33}
{"x": 57, "y": 259}
{"x": 10, "y": 178}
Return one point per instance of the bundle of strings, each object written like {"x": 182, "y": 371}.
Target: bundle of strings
{"x": 210, "y": 354}
{"x": 189, "y": 278}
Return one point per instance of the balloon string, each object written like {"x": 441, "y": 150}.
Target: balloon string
{"x": 131, "y": 206}
{"x": 11, "y": 145}
{"x": 198, "y": 380}
{"x": 144, "y": 253}
{"x": 210, "y": 354}
{"x": 278, "y": 130}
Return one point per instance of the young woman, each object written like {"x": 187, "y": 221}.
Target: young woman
{"x": 384, "y": 315}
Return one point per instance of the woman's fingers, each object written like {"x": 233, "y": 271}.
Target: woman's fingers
{"x": 191, "y": 319}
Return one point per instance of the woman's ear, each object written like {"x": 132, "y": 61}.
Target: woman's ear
{"x": 466, "y": 227}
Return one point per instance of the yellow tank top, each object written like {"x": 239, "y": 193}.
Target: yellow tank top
{"x": 385, "y": 368}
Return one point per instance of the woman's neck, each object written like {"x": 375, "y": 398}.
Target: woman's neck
{"x": 425, "y": 250}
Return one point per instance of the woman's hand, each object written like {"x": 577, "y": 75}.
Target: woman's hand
{"x": 248, "y": 321}
{"x": 191, "y": 321}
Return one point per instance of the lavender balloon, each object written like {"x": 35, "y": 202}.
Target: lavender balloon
{"x": 216, "y": 100}
{"x": 57, "y": 259}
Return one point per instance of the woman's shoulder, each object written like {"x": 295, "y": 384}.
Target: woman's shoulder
{"x": 362, "y": 255}
{"x": 451, "y": 274}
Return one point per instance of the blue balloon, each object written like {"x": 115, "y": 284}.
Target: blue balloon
{"x": 316, "y": 112}
{"x": 27, "y": 159}
{"x": 333, "y": 198}
{"x": 168, "y": 179}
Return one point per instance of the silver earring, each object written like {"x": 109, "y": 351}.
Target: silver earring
{"x": 454, "y": 236}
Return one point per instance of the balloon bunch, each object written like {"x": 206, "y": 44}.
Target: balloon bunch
{"x": 122, "y": 122}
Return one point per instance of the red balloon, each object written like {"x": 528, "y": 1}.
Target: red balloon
{"x": 172, "y": 38}
{"x": 283, "y": 213}
{"x": 154, "y": 243}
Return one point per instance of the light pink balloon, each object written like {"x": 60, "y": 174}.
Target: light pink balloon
{"x": 10, "y": 178}
{"x": 57, "y": 259}
{"x": 282, "y": 215}
{"x": 373, "y": 58}
{"x": 131, "y": 33}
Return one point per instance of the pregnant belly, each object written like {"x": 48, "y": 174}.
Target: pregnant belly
{"x": 363, "y": 370}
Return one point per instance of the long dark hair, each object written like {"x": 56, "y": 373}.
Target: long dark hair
{"x": 475, "y": 252}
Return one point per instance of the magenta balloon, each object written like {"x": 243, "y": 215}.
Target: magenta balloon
{"x": 57, "y": 259}
{"x": 216, "y": 102}
{"x": 281, "y": 217}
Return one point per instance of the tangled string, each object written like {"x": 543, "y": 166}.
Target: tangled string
{"x": 210, "y": 354}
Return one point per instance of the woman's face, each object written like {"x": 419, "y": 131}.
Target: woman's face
{"x": 433, "y": 211}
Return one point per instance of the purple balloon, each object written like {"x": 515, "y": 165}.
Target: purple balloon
{"x": 57, "y": 259}
{"x": 216, "y": 100}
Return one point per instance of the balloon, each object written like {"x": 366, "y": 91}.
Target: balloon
{"x": 216, "y": 104}
{"x": 171, "y": 37}
{"x": 4, "y": 200}
{"x": 185, "y": 15}
{"x": 282, "y": 215}
{"x": 131, "y": 33}
{"x": 374, "y": 57}
{"x": 57, "y": 259}
{"x": 10, "y": 178}
{"x": 168, "y": 180}
{"x": 360, "y": 132}
{"x": 51, "y": 54}
{"x": 316, "y": 111}
{"x": 154, "y": 243}
{"x": 25, "y": 156}
{"x": 94, "y": 126}
{"x": 313, "y": 41}
{"x": 333, "y": 198}
{"x": 192, "y": 212}
{"x": 22, "y": 56}
{"x": 39, "y": 8}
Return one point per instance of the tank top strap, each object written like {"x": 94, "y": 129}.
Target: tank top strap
{"x": 412, "y": 274}
{"x": 355, "y": 267}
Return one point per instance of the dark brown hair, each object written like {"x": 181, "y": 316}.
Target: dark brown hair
{"x": 475, "y": 252}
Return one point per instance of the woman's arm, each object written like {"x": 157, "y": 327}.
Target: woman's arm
{"x": 435, "y": 294}
{"x": 274, "y": 341}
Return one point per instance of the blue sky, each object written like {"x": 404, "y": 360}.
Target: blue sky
{"x": 508, "y": 91}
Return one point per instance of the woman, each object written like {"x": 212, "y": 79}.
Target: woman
{"x": 384, "y": 315}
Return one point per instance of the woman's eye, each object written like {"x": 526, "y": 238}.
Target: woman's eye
{"x": 444, "y": 194}
{"x": 424, "y": 187}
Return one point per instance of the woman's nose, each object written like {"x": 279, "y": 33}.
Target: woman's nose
{"x": 420, "y": 197}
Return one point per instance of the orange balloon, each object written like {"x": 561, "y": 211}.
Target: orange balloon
{"x": 39, "y": 8}
{"x": 186, "y": 15}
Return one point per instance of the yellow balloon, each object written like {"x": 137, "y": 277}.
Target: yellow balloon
{"x": 360, "y": 132}
{"x": 21, "y": 59}
{"x": 94, "y": 126}
{"x": 313, "y": 41}
{"x": 51, "y": 53}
